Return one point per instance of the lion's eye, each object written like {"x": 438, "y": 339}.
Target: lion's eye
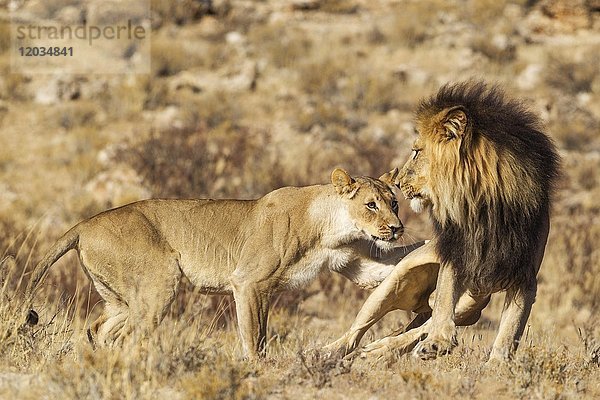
{"x": 372, "y": 205}
{"x": 395, "y": 205}
{"x": 415, "y": 153}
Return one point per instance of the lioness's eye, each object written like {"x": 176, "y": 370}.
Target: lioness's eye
{"x": 372, "y": 205}
{"x": 415, "y": 153}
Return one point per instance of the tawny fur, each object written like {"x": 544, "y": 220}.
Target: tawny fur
{"x": 136, "y": 255}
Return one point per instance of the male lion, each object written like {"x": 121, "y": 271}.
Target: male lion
{"x": 136, "y": 255}
{"x": 485, "y": 171}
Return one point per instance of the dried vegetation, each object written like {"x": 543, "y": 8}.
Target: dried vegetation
{"x": 248, "y": 96}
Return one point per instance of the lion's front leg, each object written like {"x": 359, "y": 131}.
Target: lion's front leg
{"x": 518, "y": 303}
{"x": 441, "y": 334}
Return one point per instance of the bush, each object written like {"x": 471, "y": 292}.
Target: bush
{"x": 572, "y": 77}
{"x": 223, "y": 162}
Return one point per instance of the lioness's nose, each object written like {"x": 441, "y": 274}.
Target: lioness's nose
{"x": 397, "y": 229}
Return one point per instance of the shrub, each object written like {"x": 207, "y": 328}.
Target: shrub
{"x": 572, "y": 77}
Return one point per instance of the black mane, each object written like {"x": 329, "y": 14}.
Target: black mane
{"x": 495, "y": 249}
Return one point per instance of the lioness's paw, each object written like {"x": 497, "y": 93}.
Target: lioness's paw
{"x": 378, "y": 348}
{"x": 337, "y": 349}
{"x": 388, "y": 346}
{"x": 431, "y": 348}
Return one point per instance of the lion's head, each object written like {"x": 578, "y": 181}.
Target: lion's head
{"x": 372, "y": 205}
{"x": 485, "y": 170}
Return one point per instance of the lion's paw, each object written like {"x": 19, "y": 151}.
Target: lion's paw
{"x": 432, "y": 347}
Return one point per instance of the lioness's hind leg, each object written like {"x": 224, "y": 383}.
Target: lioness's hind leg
{"x": 110, "y": 325}
{"x": 103, "y": 331}
{"x": 92, "y": 332}
{"x": 111, "y": 332}
{"x": 135, "y": 271}
{"x": 149, "y": 304}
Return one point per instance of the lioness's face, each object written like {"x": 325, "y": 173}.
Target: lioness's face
{"x": 374, "y": 209}
{"x": 414, "y": 177}
{"x": 372, "y": 206}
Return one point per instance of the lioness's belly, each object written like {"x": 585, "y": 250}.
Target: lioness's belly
{"x": 209, "y": 275}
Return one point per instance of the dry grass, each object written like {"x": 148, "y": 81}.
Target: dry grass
{"x": 334, "y": 86}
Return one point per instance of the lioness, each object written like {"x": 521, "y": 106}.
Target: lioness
{"x": 136, "y": 255}
{"x": 485, "y": 171}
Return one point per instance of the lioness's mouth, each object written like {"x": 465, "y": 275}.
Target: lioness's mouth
{"x": 376, "y": 238}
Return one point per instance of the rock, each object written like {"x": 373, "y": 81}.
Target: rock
{"x": 237, "y": 80}
{"x": 170, "y": 117}
{"x": 530, "y": 77}
{"x": 70, "y": 15}
{"x": 411, "y": 75}
{"x": 55, "y": 89}
{"x": 593, "y": 5}
{"x": 306, "y": 5}
{"x": 235, "y": 38}
{"x": 117, "y": 186}
{"x": 552, "y": 17}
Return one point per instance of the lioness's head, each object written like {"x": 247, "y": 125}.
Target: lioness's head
{"x": 372, "y": 205}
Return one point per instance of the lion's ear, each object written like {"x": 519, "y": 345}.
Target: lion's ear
{"x": 455, "y": 123}
{"x": 342, "y": 182}
{"x": 389, "y": 178}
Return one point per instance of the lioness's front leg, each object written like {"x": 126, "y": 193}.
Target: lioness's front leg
{"x": 368, "y": 271}
{"x": 407, "y": 288}
{"x": 468, "y": 311}
{"x": 252, "y": 308}
{"x": 441, "y": 335}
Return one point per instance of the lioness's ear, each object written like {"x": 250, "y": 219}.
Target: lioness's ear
{"x": 389, "y": 178}
{"x": 455, "y": 122}
{"x": 342, "y": 182}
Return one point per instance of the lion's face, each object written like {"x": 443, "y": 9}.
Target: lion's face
{"x": 434, "y": 156}
{"x": 372, "y": 206}
{"x": 414, "y": 177}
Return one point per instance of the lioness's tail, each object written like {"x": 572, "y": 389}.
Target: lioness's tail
{"x": 67, "y": 242}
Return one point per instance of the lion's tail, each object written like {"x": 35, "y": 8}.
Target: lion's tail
{"x": 68, "y": 241}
